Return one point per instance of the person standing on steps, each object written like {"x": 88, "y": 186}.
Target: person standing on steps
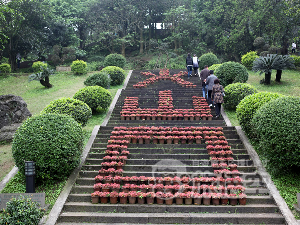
{"x": 217, "y": 92}
{"x": 293, "y": 47}
{"x": 189, "y": 65}
{"x": 203, "y": 75}
{"x": 210, "y": 83}
{"x": 195, "y": 65}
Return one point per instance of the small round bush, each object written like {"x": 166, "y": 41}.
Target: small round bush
{"x": 231, "y": 72}
{"x": 214, "y": 67}
{"x": 277, "y": 125}
{"x": 248, "y": 59}
{"x": 115, "y": 60}
{"x": 208, "y": 59}
{"x": 296, "y": 60}
{"x": 117, "y": 74}
{"x": 21, "y": 210}
{"x": 5, "y": 68}
{"x": 39, "y": 66}
{"x": 94, "y": 97}
{"x": 101, "y": 79}
{"x": 53, "y": 141}
{"x": 75, "y": 108}
{"x": 79, "y": 67}
{"x": 246, "y": 109}
{"x": 235, "y": 93}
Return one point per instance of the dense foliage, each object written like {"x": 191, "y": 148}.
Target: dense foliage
{"x": 115, "y": 60}
{"x": 39, "y": 66}
{"x": 75, "y": 108}
{"x": 208, "y": 59}
{"x": 248, "y": 59}
{"x": 21, "y": 211}
{"x": 101, "y": 79}
{"x": 277, "y": 125}
{"x": 214, "y": 67}
{"x": 53, "y": 141}
{"x": 5, "y": 68}
{"x": 235, "y": 93}
{"x": 79, "y": 67}
{"x": 95, "y": 97}
{"x": 231, "y": 72}
{"x": 117, "y": 74}
{"x": 249, "y": 105}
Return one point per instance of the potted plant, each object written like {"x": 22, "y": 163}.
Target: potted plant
{"x": 95, "y": 197}
{"x": 113, "y": 197}
{"x": 206, "y": 198}
{"x": 159, "y": 198}
{"x": 104, "y": 197}
{"x": 216, "y": 198}
{"x": 233, "y": 199}
{"x": 224, "y": 199}
{"x": 179, "y": 198}
{"x": 168, "y": 198}
{"x": 188, "y": 200}
{"x": 115, "y": 187}
{"x": 197, "y": 198}
{"x": 97, "y": 187}
{"x": 132, "y": 195}
{"x": 167, "y": 180}
{"x": 242, "y": 199}
{"x": 123, "y": 197}
{"x": 150, "y": 197}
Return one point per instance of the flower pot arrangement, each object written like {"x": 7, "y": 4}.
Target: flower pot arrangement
{"x": 95, "y": 197}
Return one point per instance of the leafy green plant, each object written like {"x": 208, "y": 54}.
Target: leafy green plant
{"x": 115, "y": 60}
{"x": 79, "y": 67}
{"x": 94, "y": 97}
{"x": 42, "y": 76}
{"x": 208, "y": 59}
{"x": 231, "y": 72}
{"x": 101, "y": 79}
{"x": 53, "y": 141}
{"x": 5, "y": 68}
{"x": 277, "y": 126}
{"x": 95, "y": 65}
{"x": 214, "y": 67}
{"x": 21, "y": 211}
{"x": 75, "y": 108}
{"x": 296, "y": 60}
{"x": 248, "y": 59}
{"x": 117, "y": 74}
{"x": 39, "y": 66}
{"x": 235, "y": 93}
{"x": 248, "y": 106}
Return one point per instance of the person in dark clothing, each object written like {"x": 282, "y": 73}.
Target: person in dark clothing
{"x": 210, "y": 83}
{"x": 203, "y": 75}
{"x": 189, "y": 65}
{"x": 217, "y": 92}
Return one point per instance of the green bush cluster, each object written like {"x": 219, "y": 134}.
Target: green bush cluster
{"x": 94, "y": 97}
{"x": 79, "y": 67}
{"x": 248, "y": 59}
{"x": 208, "y": 59}
{"x": 39, "y": 66}
{"x": 94, "y": 66}
{"x": 75, "y": 108}
{"x": 296, "y": 60}
{"x": 248, "y": 106}
{"x": 231, "y": 72}
{"x": 21, "y": 211}
{"x": 277, "y": 125}
{"x": 53, "y": 141}
{"x": 101, "y": 79}
{"x": 115, "y": 60}
{"x": 5, "y": 68}
{"x": 235, "y": 93}
{"x": 117, "y": 74}
{"x": 214, "y": 67}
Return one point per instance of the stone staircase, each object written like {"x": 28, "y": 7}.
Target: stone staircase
{"x": 167, "y": 160}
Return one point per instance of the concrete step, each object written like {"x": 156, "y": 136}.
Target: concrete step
{"x": 172, "y": 218}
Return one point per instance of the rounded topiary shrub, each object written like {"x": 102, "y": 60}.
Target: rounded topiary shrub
{"x": 39, "y": 66}
{"x": 79, "y": 110}
{"x": 234, "y": 93}
{"x": 115, "y": 60}
{"x": 5, "y": 68}
{"x": 117, "y": 74}
{"x": 101, "y": 79}
{"x": 208, "y": 59}
{"x": 248, "y": 106}
{"x": 79, "y": 67}
{"x": 231, "y": 72}
{"x": 94, "y": 97}
{"x": 214, "y": 67}
{"x": 248, "y": 59}
{"x": 276, "y": 123}
{"x": 53, "y": 141}
{"x": 21, "y": 210}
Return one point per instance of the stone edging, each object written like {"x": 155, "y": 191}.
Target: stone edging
{"x": 286, "y": 212}
{"x": 10, "y": 175}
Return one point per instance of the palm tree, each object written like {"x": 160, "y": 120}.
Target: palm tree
{"x": 286, "y": 63}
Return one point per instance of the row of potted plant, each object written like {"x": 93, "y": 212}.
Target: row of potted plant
{"x": 226, "y": 173}
{"x": 187, "y": 198}
{"x": 224, "y": 166}
{"x": 214, "y": 135}
{"x": 109, "y": 158}
{"x": 161, "y": 128}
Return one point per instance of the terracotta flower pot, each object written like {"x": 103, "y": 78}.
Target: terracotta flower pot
{"x": 179, "y": 201}
{"x": 206, "y": 201}
{"x": 242, "y": 201}
{"x": 224, "y": 201}
{"x": 169, "y": 201}
{"x": 131, "y": 200}
{"x": 150, "y": 200}
{"x": 188, "y": 201}
{"x": 159, "y": 201}
{"x": 197, "y": 201}
{"x": 141, "y": 200}
{"x": 104, "y": 200}
{"x": 233, "y": 201}
{"x": 216, "y": 201}
{"x": 123, "y": 200}
{"x": 95, "y": 200}
{"x": 113, "y": 200}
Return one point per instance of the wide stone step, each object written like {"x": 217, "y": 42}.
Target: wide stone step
{"x": 66, "y": 223}
{"x": 172, "y": 218}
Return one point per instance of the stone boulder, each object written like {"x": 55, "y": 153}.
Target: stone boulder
{"x": 13, "y": 109}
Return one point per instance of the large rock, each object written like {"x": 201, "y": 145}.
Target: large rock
{"x": 7, "y": 132}
{"x": 13, "y": 109}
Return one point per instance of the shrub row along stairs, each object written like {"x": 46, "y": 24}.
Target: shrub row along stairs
{"x": 161, "y": 160}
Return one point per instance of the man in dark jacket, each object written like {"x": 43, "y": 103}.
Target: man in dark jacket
{"x": 203, "y": 75}
{"x": 210, "y": 83}
{"x": 189, "y": 65}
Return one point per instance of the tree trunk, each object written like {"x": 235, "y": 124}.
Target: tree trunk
{"x": 141, "y": 41}
{"x": 268, "y": 78}
{"x": 278, "y": 75}
{"x": 123, "y": 49}
{"x": 46, "y": 83}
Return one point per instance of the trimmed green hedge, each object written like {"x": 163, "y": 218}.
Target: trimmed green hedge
{"x": 75, "y": 108}
{"x": 234, "y": 93}
{"x": 117, "y": 74}
{"x": 53, "y": 141}
{"x": 249, "y": 105}
{"x": 94, "y": 97}
{"x": 214, "y": 67}
{"x": 231, "y": 72}
{"x": 207, "y": 59}
{"x": 78, "y": 67}
{"x": 277, "y": 125}
{"x": 5, "y": 68}
{"x": 248, "y": 59}
{"x": 101, "y": 79}
{"x": 39, "y": 66}
{"x": 115, "y": 60}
